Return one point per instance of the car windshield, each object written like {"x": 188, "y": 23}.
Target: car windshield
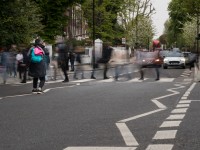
{"x": 149, "y": 54}
{"x": 174, "y": 54}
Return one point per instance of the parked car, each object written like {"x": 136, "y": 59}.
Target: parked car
{"x": 150, "y": 59}
{"x": 174, "y": 59}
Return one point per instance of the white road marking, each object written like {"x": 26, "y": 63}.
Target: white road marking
{"x": 184, "y": 102}
{"x": 165, "y": 134}
{"x": 180, "y": 110}
{"x": 160, "y": 147}
{"x": 170, "y": 124}
{"x": 137, "y": 80}
{"x": 127, "y": 135}
{"x": 166, "y": 80}
{"x": 101, "y": 148}
{"x": 182, "y": 105}
{"x": 187, "y": 80}
{"x": 159, "y": 104}
{"x": 183, "y": 97}
{"x": 176, "y": 117}
{"x": 140, "y": 116}
{"x": 83, "y": 80}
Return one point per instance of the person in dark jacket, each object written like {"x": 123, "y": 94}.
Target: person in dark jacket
{"x": 62, "y": 51}
{"x": 37, "y": 70}
{"x": 106, "y": 56}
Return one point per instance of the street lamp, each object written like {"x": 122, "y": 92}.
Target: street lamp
{"x": 93, "y": 28}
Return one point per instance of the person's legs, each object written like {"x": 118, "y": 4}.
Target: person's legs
{"x": 42, "y": 81}
{"x": 141, "y": 73}
{"x": 64, "y": 69}
{"x": 105, "y": 71}
{"x": 35, "y": 83}
{"x": 116, "y": 72}
{"x": 157, "y": 73}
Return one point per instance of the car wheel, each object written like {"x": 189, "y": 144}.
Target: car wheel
{"x": 183, "y": 67}
{"x": 164, "y": 67}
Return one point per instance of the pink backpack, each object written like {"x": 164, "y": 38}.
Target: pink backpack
{"x": 38, "y": 51}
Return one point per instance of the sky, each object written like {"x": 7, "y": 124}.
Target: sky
{"x": 160, "y": 16}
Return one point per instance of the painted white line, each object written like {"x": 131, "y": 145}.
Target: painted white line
{"x": 107, "y": 80}
{"x": 187, "y": 80}
{"x": 191, "y": 87}
{"x": 160, "y": 147}
{"x": 165, "y": 134}
{"x": 127, "y": 135}
{"x": 180, "y": 110}
{"x": 159, "y": 104}
{"x": 182, "y": 105}
{"x": 101, "y": 148}
{"x": 170, "y": 124}
{"x": 140, "y": 116}
{"x": 137, "y": 80}
{"x": 176, "y": 117}
{"x": 166, "y": 80}
{"x": 183, "y": 97}
{"x": 83, "y": 80}
{"x": 184, "y": 101}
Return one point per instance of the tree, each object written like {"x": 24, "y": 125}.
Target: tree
{"x": 20, "y": 21}
{"x": 135, "y": 17}
{"x": 54, "y": 17}
{"x": 106, "y": 27}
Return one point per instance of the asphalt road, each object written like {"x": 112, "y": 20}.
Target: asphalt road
{"x": 103, "y": 114}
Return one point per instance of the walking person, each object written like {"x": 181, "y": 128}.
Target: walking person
{"x": 20, "y": 66}
{"x": 72, "y": 60}
{"x": 25, "y": 64}
{"x": 106, "y": 55}
{"x": 5, "y": 63}
{"x": 79, "y": 67}
{"x": 62, "y": 51}
{"x": 37, "y": 69}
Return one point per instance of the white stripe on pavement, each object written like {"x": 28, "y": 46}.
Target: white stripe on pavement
{"x": 174, "y": 117}
{"x": 100, "y": 148}
{"x": 170, "y": 124}
{"x": 182, "y": 105}
{"x": 160, "y": 147}
{"x": 127, "y": 135}
{"x": 180, "y": 110}
{"x": 165, "y": 134}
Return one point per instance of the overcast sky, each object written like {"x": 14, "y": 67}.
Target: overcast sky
{"x": 160, "y": 16}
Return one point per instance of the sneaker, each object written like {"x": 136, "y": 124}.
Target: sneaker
{"x": 65, "y": 81}
{"x": 141, "y": 78}
{"x": 34, "y": 90}
{"x": 39, "y": 91}
{"x": 157, "y": 79}
{"x": 92, "y": 77}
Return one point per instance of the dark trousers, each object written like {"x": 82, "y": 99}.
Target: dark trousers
{"x": 35, "y": 82}
{"x": 64, "y": 70}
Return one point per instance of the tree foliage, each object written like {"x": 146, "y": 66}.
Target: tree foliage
{"x": 106, "y": 27}
{"x": 20, "y": 20}
{"x": 54, "y": 17}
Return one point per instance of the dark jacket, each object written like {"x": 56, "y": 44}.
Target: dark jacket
{"x": 36, "y": 69}
{"x": 106, "y": 54}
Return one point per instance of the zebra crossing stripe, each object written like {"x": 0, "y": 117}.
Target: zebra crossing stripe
{"x": 101, "y": 148}
{"x": 165, "y": 134}
{"x": 160, "y": 147}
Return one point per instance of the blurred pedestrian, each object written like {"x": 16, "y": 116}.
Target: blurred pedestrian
{"x": 62, "y": 51}
{"x": 37, "y": 70}
{"x": 20, "y": 64}
{"x": 47, "y": 62}
{"x": 106, "y": 55}
{"x": 79, "y": 66}
{"x": 72, "y": 60}
{"x": 4, "y": 63}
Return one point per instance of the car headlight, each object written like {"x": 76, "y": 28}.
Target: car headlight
{"x": 166, "y": 60}
{"x": 182, "y": 59}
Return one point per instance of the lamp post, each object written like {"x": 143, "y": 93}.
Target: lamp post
{"x": 93, "y": 28}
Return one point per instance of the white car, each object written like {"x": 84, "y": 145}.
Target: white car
{"x": 176, "y": 59}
